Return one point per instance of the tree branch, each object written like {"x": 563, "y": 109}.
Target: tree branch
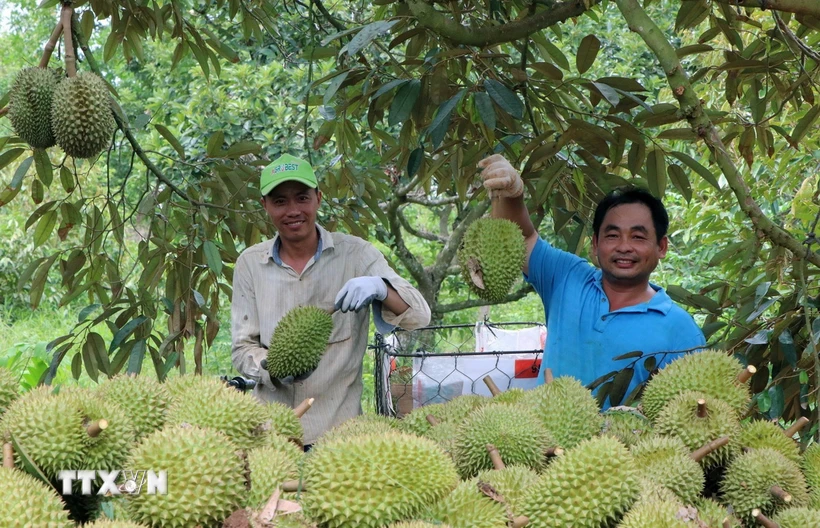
{"x": 800, "y": 7}
{"x": 472, "y": 303}
{"x": 419, "y": 199}
{"x": 51, "y": 44}
{"x": 446, "y": 27}
{"x": 418, "y": 233}
{"x": 691, "y": 108}
{"x": 405, "y": 255}
{"x": 330, "y": 18}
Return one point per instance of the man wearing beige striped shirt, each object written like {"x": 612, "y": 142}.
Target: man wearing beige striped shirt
{"x": 304, "y": 264}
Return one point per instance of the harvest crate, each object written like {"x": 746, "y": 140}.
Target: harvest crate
{"x": 435, "y": 364}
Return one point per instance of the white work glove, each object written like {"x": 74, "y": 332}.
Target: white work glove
{"x": 500, "y": 178}
{"x": 359, "y": 292}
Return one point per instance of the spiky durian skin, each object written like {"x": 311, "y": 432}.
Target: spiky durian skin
{"x": 445, "y": 435}
{"x": 497, "y": 246}
{"x": 48, "y": 428}
{"x": 417, "y": 524}
{"x": 519, "y": 437}
{"x": 713, "y": 514}
{"x": 373, "y": 480}
{"x": 711, "y": 372}
{"x": 750, "y": 476}
{"x": 593, "y": 483}
{"x": 468, "y": 507}
{"x": 9, "y": 388}
{"x": 299, "y": 341}
{"x": 284, "y": 421}
{"x": 627, "y": 426}
{"x": 567, "y": 409}
{"x": 206, "y": 478}
{"x": 26, "y": 501}
{"x": 360, "y": 425}
{"x": 270, "y": 467}
{"x": 798, "y": 518}
{"x": 810, "y": 463}
{"x": 30, "y": 100}
{"x": 511, "y": 482}
{"x": 679, "y": 418}
{"x": 457, "y": 409}
{"x": 416, "y": 421}
{"x": 513, "y": 395}
{"x": 210, "y": 403}
{"x": 143, "y": 398}
{"x": 660, "y": 514}
{"x": 762, "y": 433}
{"x": 666, "y": 461}
{"x": 105, "y": 523}
{"x": 81, "y": 115}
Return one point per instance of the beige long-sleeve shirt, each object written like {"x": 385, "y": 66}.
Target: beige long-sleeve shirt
{"x": 264, "y": 291}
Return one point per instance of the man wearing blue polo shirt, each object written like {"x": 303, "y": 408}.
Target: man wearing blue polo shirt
{"x": 596, "y": 314}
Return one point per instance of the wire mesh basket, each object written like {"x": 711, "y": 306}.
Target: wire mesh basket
{"x": 435, "y": 364}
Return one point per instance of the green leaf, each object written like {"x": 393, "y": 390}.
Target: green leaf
{"x": 242, "y": 148}
{"x": 414, "y": 161}
{"x": 213, "y": 257}
{"x": 366, "y": 35}
{"x": 43, "y": 164}
{"x": 778, "y": 401}
{"x": 587, "y": 52}
{"x": 333, "y": 87}
{"x": 731, "y": 250}
{"x": 136, "y": 357}
{"x": 704, "y": 173}
{"x": 680, "y": 180}
{"x": 170, "y": 138}
{"x": 85, "y": 312}
{"x": 67, "y": 179}
{"x": 123, "y": 333}
{"x": 609, "y": 93}
{"x": 656, "y": 172}
{"x": 787, "y": 346}
{"x": 628, "y": 355}
{"x": 438, "y": 127}
{"x": 44, "y": 228}
{"x": 619, "y": 385}
{"x": 77, "y": 365}
{"x": 9, "y": 156}
{"x": 28, "y": 465}
{"x": 403, "y": 102}
{"x": 484, "y": 107}
{"x": 215, "y": 144}
{"x": 803, "y": 126}
{"x": 10, "y": 192}
{"x": 601, "y": 379}
{"x": 386, "y": 87}
{"x": 505, "y": 98}
{"x": 650, "y": 363}
{"x": 90, "y": 360}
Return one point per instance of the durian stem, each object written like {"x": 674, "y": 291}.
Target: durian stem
{"x": 780, "y": 493}
{"x": 96, "y": 427}
{"x": 796, "y": 427}
{"x": 702, "y": 408}
{"x": 746, "y": 373}
{"x": 4, "y": 111}
{"x": 554, "y": 452}
{"x": 432, "y": 420}
{"x": 521, "y": 521}
{"x": 494, "y": 390}
{"x": 727, "y": 523}
{"x": 303, "y": 407}
{"x": 70, "y": 59}
{"x": 495, "y": 456}
{"x": 548, "y": 375}
{"x": 8, "y": 455}
{"x": 51, "y": 44}
{"x": 762, "y": 519}
{"x": 293, "y": 486}
{"x": 701, "y": 453}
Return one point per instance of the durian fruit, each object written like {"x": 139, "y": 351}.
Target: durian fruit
{"x": 284, "y": 421}
{"x": 711, "y": 372}
{"x": 591, "y": 484}
{"x": 26, "y": 501}
{"x": 628, "y": 426}
{"x": 206, "y": 478}
{"x": 81, "y": 115}
{"x": 513, "y": 395}
{"x": 519, "y": 436}
{"x": 415, "y": 422}
{"x": 360, "y": 425}
{"x": 270, "y": 466}
{"x": 49, "y": 429}
{"x": 143, "y": 398}
{"x": 665, "y": 461}
{"x": 714, "y": 514}
{"x": 373, "y": 480}
{"x": 30, "y": 100}
{"x": 511, "y": 482}
{"x": 798, "y": 518}
{"x": 470, "y": 505}
{"x": 662, "y": 513}
{"x": 810, "y": 463}
{"x": 9, "y": 388}
{"x": 762, "y": 433}
{"x": 567, "y": 409}
{"x": 698, "y": 424}
{"x": 210, "y": 403}
{"x": 750, "y": 480}
{"x": 299, "y": 341}
{"x": 107, "y": 523}
{"x": 491, "y": 255}
{"x": 457, "y": 409}
{"x": 417, "y": 524}
{"x": 445, "y": 434}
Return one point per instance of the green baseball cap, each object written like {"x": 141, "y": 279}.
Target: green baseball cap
{"x": 286, "y": 168}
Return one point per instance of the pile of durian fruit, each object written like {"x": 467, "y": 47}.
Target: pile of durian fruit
{"x": 546, "y": 457}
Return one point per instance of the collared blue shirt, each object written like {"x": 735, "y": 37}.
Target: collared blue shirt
{"x": 583, "y": 335}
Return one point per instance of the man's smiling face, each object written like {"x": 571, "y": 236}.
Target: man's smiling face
{"x": 292, "y": 207}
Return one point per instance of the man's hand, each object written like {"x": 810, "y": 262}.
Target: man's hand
{"x": 500, "y": 178}
{"x": 359, "y": 292}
